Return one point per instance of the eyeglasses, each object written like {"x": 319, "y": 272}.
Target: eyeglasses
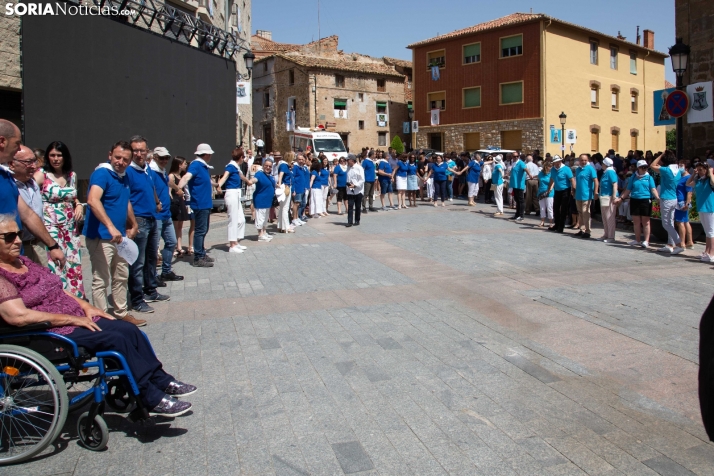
{"x": 26, "y": 162}
{"x": 10, "y": 237}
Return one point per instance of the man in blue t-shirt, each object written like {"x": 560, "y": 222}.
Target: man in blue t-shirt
{"x": 200, "y": 186}
{"x": 561, "y": 181}
{"x": 10, "y": 201}
{"x": 586, "y": 189}
{"x": 164, "y": 224}
{"x": 145, "y": 203}
{"x": 518, "y": 184}
{"x": 105, "y": 226}
{"x": 369, "y": 179}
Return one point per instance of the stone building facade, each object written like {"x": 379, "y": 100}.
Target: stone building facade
{"x": 325, "y": 87}
{"x": 695, "y": 25}
{"x": 10, "y": 79}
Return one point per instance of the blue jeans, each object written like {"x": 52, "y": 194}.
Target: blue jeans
{"x": 165, "y": 230}
{"x": 450, "y": 188}
{"x": 141, "y": 277}
{"x": 303, "y": 204}
{"x": 203, "y": 219}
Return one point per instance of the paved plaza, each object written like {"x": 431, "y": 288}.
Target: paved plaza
{"x": 425, "y": 341}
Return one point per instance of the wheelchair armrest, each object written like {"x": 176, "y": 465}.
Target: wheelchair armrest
{"x": 6, "y": 329}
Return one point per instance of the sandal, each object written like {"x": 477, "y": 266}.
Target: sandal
{"x": 190, "y": 251}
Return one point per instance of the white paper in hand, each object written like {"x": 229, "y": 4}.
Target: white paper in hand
{"x": 128, "y": 250}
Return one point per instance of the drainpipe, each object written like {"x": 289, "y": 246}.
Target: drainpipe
{"x": 544, "y": 89}
{"x": 644, "y": 104}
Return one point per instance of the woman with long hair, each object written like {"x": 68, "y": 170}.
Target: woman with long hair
{"x": 233, "y": 179}
{"x": 61, "y": 210}
{"x": 339, "y": 181}
{"x": 703, "y": 183}
{"x": 412, "y": 180}
{"x": 641, "y": 190}
{"x": 316, "y": 201}
{"x": 285, "y": 178}
{"x": 180, "y": 211}
{"x": 400, "y": 178}
{"x": 545, "y": 198}
{"x": 669, "y": 176}
{"x": 437, "y": 171}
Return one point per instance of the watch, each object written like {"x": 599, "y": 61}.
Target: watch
{"x": 53, "y": 247}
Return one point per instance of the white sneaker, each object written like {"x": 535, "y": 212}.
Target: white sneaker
{"x": 607, "y": 240}
{"x": 665, "y": 249}
{"x": 633, "y": 243}
{"x": 235, "y": 249}
{"x": 705, "y": 258}
{"x": 265, "y": 238}
{"x": 645, "y": 244}
{"x": 677, "y": 250}
{"x": 241, "y": 247}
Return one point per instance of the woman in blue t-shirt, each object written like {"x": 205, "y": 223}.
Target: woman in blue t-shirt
{"x": 608, "y": 194}
{"x": 325, "y": 181}
{"x": 703, "y": 182}
{"x": 263, "y": 198}
{"x": 438, "y": 170}
{"x": 233, "y": 179}
{"x": 641, "y": 189}
{"x": 285, "y": 178}
{"x": 473, "y": 171}
{"x": 684, "y": 204}
{"x": 400, "y": 177}
{"x": 669, "y": 176}
{"x": 385, "y": 177}
{"x": 545, "y": 198}
{"x": 339, "y": 181}
{"x": 412, "y": 180}
{"x": 317, "y": 204}
{"x": 497, "y": 182}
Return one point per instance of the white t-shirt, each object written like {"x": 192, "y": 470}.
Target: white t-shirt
{"x": 259, "y": 143}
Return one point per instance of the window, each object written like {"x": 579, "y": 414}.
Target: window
{"x": 436, "y": 58}
{"x": 594, "y": 96}
{"x": 381, "y": 107}
{"x": 594, "y": 140}
{"x": 266, "y": 99}
{"x": 633, "y": 141}
{"x": 511, "y": 46}
{"x": 381, "y": 139}
{"x": 339, "y": 81}
{"x": 633, "y": 101}
{"x": 360, "y": 124}
{"x": 472, "y": 53}
{"x": 472, "y": 141}
{"x": 615, "y": 100}
{"x": 615, "y": 141}
{"x": 360, "y": 96}
{"x": 633, "y": 62}
{"x": 291, "y": 77}
{"x": 340, "y": 104}
{"x": 613, "y": 57}
{"x": 381, "y": 85}
{"x": 472, "y": 97}
{"x": 512, "y": 140}
{"x": 436, "y": 100}
{"x": 265, "y": 66}
{"x": 593, "y": 51}
{"x": 512, "y": 93}
{"x": 409, "y": 83}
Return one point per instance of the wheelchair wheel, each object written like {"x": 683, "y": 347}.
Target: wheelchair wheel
{"x": 33, "y": 403}
{"x": 118, "y": 397}
{"x": 97, "y": 437}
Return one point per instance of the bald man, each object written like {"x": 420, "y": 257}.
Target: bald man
{"x": 10, "y": 201}
{"x": 24, "y": 165}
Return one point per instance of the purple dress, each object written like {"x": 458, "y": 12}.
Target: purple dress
{"x": 40, "y": 290}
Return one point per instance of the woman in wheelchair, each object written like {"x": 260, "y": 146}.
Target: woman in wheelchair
{"x": 31, "y": 294}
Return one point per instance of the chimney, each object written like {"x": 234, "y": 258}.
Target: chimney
{"x": 649, "y": 39}
{"x": 268, "y": 35}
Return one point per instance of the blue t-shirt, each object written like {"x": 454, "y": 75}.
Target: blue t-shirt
{"x": 369, "y": 173}
{"x": 9, "y": 195}
{"x": 385, "y": 167}
{"x": 705, "y": 197}
{"x": 402, "y": 169}
{"x": 640, "y": 188}
{"x": 474, "y": 172}
{"x": 264, "y": 190}
{"x": 585, "y": 182}
{"x": 305, "y": 178}
{"x": 607, "y": 182}
{"x": 233, "y": 181}
{"x": 298, "y": 179}
{"x": 161, "y": 183}
{"x": 497, "y": 175}
{"x": 668, "y": 183}
{"x": 317, "y": 183}
{"x": 544, "y": 183}
{"x": 287, "y": 173}
{"x": 439, "y": 171}
{"x": 518, "y": 176}
{"x": 341, "y": 176}
{"x": 115, "y": 201}
{"x": 141, "y": 186}
{"x": 325, "y": 177}
{"x": 682, "y": 189}
{"x": 411, "y": 169}
{"x": 200, "y": 186}
{"x": 450, "y": 164}
{"x": 561, "y": 178}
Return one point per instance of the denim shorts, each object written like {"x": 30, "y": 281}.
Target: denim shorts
{"x": 385, "y": 186}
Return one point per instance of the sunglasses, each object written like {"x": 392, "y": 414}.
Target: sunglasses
{"x": 10, "y": 237}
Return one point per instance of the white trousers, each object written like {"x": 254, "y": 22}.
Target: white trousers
{"x": 498, "y": 196}
{"x": 236, "y": 219}
{"x": 283, "y": 214}
{"x": 546, "y": 208}
{"x": 261, "y": 218}
{"x": 317, "y": 204}
{"x": 473, "y": 189}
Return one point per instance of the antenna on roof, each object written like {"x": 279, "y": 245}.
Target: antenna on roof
{"x": 531, "y": 9}
{"x": 318, "y": 24}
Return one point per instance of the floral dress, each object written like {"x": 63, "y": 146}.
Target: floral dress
{"x": 58, "y": 216}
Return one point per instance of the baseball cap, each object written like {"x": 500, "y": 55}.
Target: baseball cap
{"x": 642, "y": 163}
{"x": 161, "y": 152}
{"x": 607, "y": 161}
{"x": 557, "y": 158}
{"x": 203, "y": 149}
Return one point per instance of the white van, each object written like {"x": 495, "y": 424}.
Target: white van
{"x": 329, "y": 143}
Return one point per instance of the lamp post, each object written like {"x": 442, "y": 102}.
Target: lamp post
{"x": 679, "y": 54}
{"x": 249, "y": 57}
{"x": 562, "y": 118}
{"x": 411, "y": 129}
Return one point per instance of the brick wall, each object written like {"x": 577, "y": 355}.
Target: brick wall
{"x": 490, "y": 134}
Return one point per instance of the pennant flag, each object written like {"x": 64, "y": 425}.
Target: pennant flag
{"x": 435, "y": 73}
{"x": 435, "y": 117}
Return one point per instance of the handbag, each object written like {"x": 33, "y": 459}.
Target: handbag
{"x": 494, "y": 187}
{"x": 287, "y": 190}
{"x": 276, "y": 203}
{"x": 605, "y": 201}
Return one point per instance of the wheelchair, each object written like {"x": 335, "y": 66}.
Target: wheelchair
{"x": 44, "y": 376}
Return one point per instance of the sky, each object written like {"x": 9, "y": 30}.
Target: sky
{"x": 386, "y": 27}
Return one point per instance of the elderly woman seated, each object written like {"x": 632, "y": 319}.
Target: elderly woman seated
{"x": 31, "y": 294}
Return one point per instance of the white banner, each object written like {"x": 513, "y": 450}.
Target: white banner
{"x": 435, "y": 117}
{"x": 242, "y": 93}
{"x": 382, "y": 120}
{"x": 415, "y": 126}
{"x": 700, "y": 103}
{"x": 571, "y": 136}
{"x": 290, "y": 120}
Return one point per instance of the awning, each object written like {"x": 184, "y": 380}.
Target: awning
{"x": 381, "y": 104}
{"x": 340, "y": 102}
{"x": 409, "y": 106}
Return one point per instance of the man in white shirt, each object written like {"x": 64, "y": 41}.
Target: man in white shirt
{"x": 259, "y": 144}
{"x": 531, "y": 186}
{"x": 24, "y": 165}
{"x": 355, "y": 189}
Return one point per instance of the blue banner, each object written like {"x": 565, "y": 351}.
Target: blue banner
{"x": 661, "y": 116}
{"x": 435, "y": 73}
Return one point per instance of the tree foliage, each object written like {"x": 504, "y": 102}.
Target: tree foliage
{"x": 398, "y": 145}
{"x": 672, "y": 139}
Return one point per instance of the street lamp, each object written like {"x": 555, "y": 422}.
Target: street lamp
{"x": 562, "y": 118}
{"x": 411, "y": 129}
{"x": 249, "y": 57}
{"x": 679, "y": 54}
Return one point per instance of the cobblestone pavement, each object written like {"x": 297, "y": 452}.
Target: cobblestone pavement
{"x": 425, "y": 341}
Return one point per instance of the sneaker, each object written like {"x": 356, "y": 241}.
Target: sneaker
{"x": 519, "y": 219}
{"x": 160, "y": 282}
{"x": 645, "y": 244}
{"x": 133, "y": 320}
{"x": 235, "y": 249}
{"x": 705, "y": 258}
{"x": 451, "y": 199}
{"x": 180, "y": 389}
{"x": 586, "y": 236}
{"x": 608, "y": 240}
{"x": 171, "y": 276}
{"x": 202, "y": 263}
{"x": 633, "y": 243}
{"x": 170, "y": 407}
{"x": 241, "y": 247}
{"x": 209, "y": 259}
{"x": 602, "y": 238}
{"x": 372, "y": 209}
{"x": 143, "y": 308}
{"x": 677, "y": 250}
{"x": 265, "y": 238}
{"x": 156, "y": 297}
{"x": 665, "y": 249}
